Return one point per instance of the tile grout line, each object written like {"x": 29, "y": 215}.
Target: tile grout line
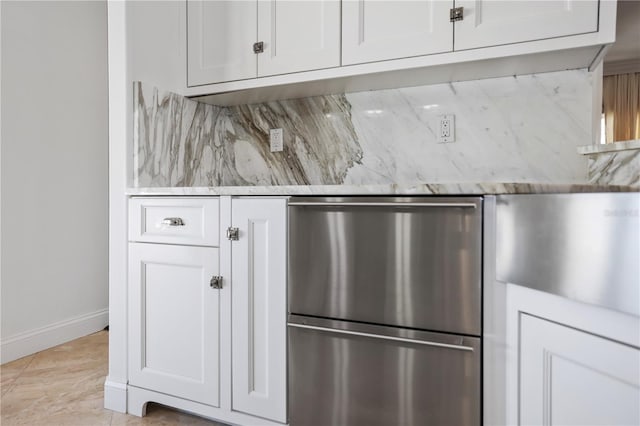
{"x": 70, "y": 407}
{"x": 13, "y": 382}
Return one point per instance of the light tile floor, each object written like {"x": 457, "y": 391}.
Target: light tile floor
{"x": 64, "y": 386}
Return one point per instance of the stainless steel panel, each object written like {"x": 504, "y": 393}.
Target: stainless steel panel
{"x": 402, "y": 261}
{"x": 350, "y": 379}
{"x": 582, "y": 246}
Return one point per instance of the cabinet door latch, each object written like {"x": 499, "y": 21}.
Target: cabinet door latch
{"x": 258, "y": 47}
{"x": 233, "y": 234}
{"x": 216, "y": 282}
{"x": 455, "y": 14}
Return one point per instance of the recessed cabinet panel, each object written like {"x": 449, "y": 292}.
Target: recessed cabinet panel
{"x": 259, "y": 361}
{"x": 168, "y": 295}
{"x": 298, "y": 35}
{"x": 174, "y": 321}
{"x": 570, "y": 377}
{"x": 490, "y": 23}
{"x": 374, "y": 30}
{"x": 220, "y": 37}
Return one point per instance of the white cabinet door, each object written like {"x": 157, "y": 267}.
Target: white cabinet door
{"x": 220, "y": 38}
{"x": 374, "y": 30}
{"x": 174, "y": 321}
{"x": 259, "y": 257}
{"x": 570, "y": 377}
{"x": 298, "y": 35}
{"x": 495, "y": 22}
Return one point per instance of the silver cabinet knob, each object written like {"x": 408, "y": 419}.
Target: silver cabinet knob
{"x": 456, "y": 14}
{"x": 173, "y": 221}
{"x": 258, "y": 47}
{"x": 216, "y": 282}
{"x": 233, "y": 234}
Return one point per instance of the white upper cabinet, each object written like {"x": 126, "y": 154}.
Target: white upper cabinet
{"x": 220, "y": 37}
{"x": 298, "y": 36}
{"x": 314, "y": 47}
{"x": 374, "y": 30}
{"x": 290, "y": 36}
{"x": 490, "y": 23}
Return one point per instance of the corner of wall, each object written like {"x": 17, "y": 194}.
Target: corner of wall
{"x": 596, "y": 82}
{"x": 33, "y": 341}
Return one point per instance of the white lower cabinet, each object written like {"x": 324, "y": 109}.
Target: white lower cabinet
{"x": 259, "y": 307}
{"x": 207, "y": 325}
{"x": 567, "y": 363}
{"x": 174, "y": 320}
{"x": 571, "y": 377}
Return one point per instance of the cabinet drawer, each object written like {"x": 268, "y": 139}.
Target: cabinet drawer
{"x": 189, "y": 221}
{"x": 357, "y": 379}
{"x": 388, "y": 260}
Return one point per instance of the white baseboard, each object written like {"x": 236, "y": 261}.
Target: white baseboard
{"x": 115, "y": 396}
{"x": 33, "y": 341}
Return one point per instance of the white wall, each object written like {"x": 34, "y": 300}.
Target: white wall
{"x": 54, "y": 173}
{"x": 157, "y": 42}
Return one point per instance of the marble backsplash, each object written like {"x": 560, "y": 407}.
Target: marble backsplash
{"x": 515, "y": 129}
{"x": 615, "y": 167}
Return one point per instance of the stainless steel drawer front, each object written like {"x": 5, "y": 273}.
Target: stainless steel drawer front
{"x": 355, "y": 374}
{"x": 403, "y": 261}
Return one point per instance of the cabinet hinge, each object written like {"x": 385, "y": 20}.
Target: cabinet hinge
{"x": 233, "y": 234}
{"x": 258, "y": 47}
{"x": 216, "y": 282}
{"x": 455, "y": 14}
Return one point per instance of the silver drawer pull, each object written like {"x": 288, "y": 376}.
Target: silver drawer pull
{"x": 377, "y": 336}
{"x": 374, "y": 204}
{"x": 173, "y": 221}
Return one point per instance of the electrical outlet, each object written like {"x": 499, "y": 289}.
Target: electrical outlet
{"x": 447, "y": 128}
{"x": 275, "y": 140}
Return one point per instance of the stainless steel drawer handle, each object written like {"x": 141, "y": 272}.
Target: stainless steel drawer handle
{"x": 380, "y": 204}
{"x": 173, "y": 221}
{"x": 377, "y": 336}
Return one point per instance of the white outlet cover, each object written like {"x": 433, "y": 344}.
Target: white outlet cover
{"x": 275, "y": 140}
{"x": 446, "y": 122}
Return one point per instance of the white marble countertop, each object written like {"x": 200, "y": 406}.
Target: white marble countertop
{"x": 454, "y": 188}
{"x": 609, "y": 147}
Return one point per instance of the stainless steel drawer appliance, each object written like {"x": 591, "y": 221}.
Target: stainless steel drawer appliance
{"x": 385, "y": 311}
